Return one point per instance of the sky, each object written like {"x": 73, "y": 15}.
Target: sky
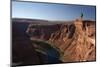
{"x": 51, "y": 11}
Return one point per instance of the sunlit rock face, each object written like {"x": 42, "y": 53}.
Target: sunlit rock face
{"x": 45, "y": 42}
{"x": 75, "y": 41}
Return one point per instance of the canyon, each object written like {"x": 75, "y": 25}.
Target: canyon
{"x": 74, "y": 40}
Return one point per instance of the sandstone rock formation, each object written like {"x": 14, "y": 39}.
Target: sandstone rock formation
{"x": 75, "y": 41}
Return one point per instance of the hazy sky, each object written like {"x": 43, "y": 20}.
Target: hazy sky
{"x": 51, "y": 11}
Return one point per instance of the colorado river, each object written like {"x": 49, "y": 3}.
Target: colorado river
{"x": 50, "y": 53}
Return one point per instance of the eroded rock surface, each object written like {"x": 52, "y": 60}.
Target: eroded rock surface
{"x": 75, "y": 41}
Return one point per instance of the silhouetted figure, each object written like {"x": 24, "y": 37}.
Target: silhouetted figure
{"x": 81, "y": 15}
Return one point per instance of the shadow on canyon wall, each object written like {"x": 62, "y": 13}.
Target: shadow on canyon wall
{"x": 37, "y": 42}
